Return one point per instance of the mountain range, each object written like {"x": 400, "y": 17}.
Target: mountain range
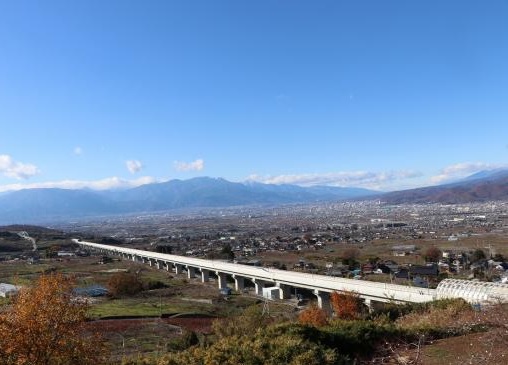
{"x": 36, "y": 205}
{"x": 44, "y": 205}
{"x": 479, "y": 187}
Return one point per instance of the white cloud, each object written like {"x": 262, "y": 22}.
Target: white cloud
{"x": 133, "y": 166}
{"x": 462, "y": 170}
{"x": 15, "y": 169}
{"x": 197, "y": 165}
{"x": 366, "y": 179}
{"x": 78, "y": 151}
{"x": 103, "y": 184}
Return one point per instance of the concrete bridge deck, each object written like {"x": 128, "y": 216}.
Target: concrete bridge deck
{"x": 321, "y": 285}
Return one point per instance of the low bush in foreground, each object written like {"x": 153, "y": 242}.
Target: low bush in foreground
{"x": 254, "y": 339}
{"x": 290, "y": 349}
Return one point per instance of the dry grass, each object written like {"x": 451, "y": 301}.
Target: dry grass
{"x": 464, "y": 346}
{"x": 453, "y": 317}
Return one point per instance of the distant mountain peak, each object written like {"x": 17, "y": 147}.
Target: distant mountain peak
{"x": 41, "y": 205}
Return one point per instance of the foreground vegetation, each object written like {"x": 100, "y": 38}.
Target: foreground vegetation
{"x": 394, "y": 334}
{"x": 45, "y": 324}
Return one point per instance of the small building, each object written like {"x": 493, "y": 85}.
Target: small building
{"x": 253, "y": 263}
{"x": 271, "y": 293}
{"x": 8, "y": 290}
{"x": 403, "y": 250}
{"x": 419, "y": 272}
{"x": 403, "y": 273}
{"x": 367, "y": 268}
{"x": 424, "y": 270}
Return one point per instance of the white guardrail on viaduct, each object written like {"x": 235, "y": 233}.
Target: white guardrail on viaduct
{"x": 473, "y": 292}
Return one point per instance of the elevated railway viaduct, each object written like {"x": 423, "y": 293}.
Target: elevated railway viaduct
{"x": 321, "y": 285}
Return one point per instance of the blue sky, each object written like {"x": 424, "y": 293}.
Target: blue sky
{"x": 378, "y": 94}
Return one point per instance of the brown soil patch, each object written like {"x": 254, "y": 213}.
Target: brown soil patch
{"x": 196, "y": 324}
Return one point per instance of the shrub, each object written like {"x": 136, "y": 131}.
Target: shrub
{"x": 360, "y": 337}
{"x": 46, "y": 325}
{"x": 346, "y": 305}
{"x": 186, "y": 340}
{"x": 154, "y": 284}
{"x": 263, "y": 348}
{"x": 247, "y": 323}
{"x": 313, "y": 315}
{"x": 392, "y": 311}
{"x": 432, "y": 254}
{"x": 441, "y": 318}
{"x": 124, "y": 283}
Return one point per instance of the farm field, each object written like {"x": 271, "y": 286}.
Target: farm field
{"x": 146, "y": 322}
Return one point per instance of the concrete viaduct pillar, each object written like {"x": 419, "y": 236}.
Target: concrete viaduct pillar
{"x": 239, "y": 283}
{"x": 368, "y": 303}
{"x": 258, "y": 286}
{"x": 284, "y": 291}
{"x": 178, "y": 269}
{"x": 205, "y": 275}
{"x": 191, "y": 272}
{"x": 222, "y": 280}
{"x": 323, "y": 301}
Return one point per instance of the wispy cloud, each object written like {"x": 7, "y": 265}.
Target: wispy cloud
{"x": 15, "y": 169}
{"x": 366, "y": 179}
{"x": 197, "y": 165}
{"x": 78, "y": 151}
{"x": 134, "y": 166}
{"x": 462, "y": 170}
{"x": 102, "y": 184}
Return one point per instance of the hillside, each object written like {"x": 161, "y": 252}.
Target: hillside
{"x": 479, "y": 187}
{"x": 46, "y": 205}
